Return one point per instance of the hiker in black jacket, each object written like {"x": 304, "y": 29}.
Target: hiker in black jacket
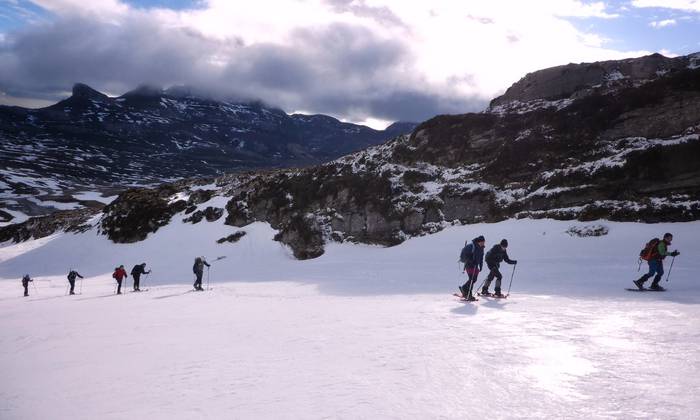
{"x": 493, "y": 262}
{"x": 136, "y": 275}
{"x": 198, "y": 269}
{"x": 71, "y": 279}
{"x": 473, "y": 258}
{"x": 25, "y": 284}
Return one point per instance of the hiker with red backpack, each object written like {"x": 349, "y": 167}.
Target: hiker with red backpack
{"x": 119, "y": 275}
{"x": 654, "y": 254}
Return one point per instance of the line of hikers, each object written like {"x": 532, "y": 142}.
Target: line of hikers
{"x": 472, "y": 256}
{"x": 119, "y": 275}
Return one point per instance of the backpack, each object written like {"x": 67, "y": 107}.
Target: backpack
{"x": 464, "y": 255}
{"x": 650, "y": 250}
{"x": 114, "y": 275}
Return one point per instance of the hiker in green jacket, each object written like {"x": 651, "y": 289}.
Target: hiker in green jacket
{"x": 655, "y": 259}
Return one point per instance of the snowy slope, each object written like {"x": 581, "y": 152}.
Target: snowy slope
{"x": 360, "y": 332}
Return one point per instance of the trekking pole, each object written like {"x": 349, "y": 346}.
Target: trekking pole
{"x": 35, "y": 289}
{"x": 481, "y": 287}
{"x": 639, "y": 265}
{"x": 511, "y": 279}
{"x": 208, "y": 269}
{"x": 80, "y": 292}
{"x": 670, "y": 268}
{"x": 471, "y": 284}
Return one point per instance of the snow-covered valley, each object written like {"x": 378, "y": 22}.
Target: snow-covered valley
{"x": 360, "y": 332}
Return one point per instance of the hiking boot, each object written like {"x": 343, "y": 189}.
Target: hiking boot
{"x": 470, "y": 299}
{"x": 639, "y": 283}
{"x": 461, "y": 291}
{"x": 656, "y": 287}
{"x": 72, "y": 292}
{"x": 498, "y": 295}
{"x": 485, "y": 291}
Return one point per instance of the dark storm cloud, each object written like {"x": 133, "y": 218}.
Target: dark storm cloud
{"x": 338, "y": 69}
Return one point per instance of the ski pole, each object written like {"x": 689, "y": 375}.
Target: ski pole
{"x": 472, "y": 280}
{"x": 511, "y": 279}
{"x": 481, "y": 287}
{"x": 670, "y": 268}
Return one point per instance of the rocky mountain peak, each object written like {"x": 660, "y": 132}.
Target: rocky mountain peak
{"x": 145, "y": 91}
{"x": 577, "y": 80}
{"x": 81, "y": 90}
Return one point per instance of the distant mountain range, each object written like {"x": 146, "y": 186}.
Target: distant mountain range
{"x": 149, "y": 135}
{"x": 613, "y": 140}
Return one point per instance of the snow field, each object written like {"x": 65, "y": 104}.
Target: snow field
{"x": 361, "y": 332}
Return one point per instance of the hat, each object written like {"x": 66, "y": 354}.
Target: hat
{"x": 504, "y": 243}
{"x": 480, "y": 238}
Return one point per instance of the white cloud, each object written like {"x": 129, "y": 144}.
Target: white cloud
{"x": 687, "y": 5}
{"x": 458, "y": 52}
{"x": 662, "y": 23}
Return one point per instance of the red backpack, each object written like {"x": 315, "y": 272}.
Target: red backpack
{"x": 650, "y": 250}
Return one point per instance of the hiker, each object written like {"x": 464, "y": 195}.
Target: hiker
{"x": 71, "y": 279}
{"x": 198, "y": 269}
{"x": 25, "y": 284}
{"x": 473, "y": 258}
{"x": 136, "y": 275}
{"x": 654, "y": 253}
{"x": 493, "y": 262}
{"x": 119, "y": 274}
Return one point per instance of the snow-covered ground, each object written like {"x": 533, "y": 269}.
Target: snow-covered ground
{"x": 361, "y": 332}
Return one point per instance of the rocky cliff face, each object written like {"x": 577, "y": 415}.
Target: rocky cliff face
{"x": 577, "y": 80}
{"x": 629, "y": 153}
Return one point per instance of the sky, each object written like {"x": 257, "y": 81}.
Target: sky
{"x": 365, "y": 61}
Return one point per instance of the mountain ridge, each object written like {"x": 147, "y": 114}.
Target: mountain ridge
{"x": 624, "y": 153}
{"x": 149, "y": 135}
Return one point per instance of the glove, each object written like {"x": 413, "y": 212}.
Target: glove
{"x": 675, "y": 254}
{"x": 515, "y": 261}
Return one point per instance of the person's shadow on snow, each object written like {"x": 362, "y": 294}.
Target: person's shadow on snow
{"x": 465, "y": 308}
{"x": 495, "y": 303}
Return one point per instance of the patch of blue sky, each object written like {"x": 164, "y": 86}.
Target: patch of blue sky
{"x": 166, "y": 4}
{"x": 15, "y": 14}
{"x": 653, "y": 29}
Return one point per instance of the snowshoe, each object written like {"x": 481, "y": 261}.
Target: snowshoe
{"x": 656, "y": 288}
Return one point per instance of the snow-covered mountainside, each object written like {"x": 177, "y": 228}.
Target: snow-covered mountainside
{"x": 92, "y": 142}
{"x": 361, "y": 332}
{"x": 627, "y": 154}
